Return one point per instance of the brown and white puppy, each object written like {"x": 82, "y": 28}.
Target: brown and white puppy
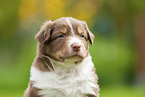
{"x": 63, "y": 66}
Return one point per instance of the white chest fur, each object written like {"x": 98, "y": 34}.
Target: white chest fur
{"x": 77, "y": 82}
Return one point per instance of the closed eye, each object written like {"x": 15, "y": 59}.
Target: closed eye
{"x": 61, "y": 36}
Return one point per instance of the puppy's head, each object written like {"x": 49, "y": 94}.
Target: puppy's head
{"x": 64, "y": 39}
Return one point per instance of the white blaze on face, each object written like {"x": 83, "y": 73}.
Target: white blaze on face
{"x": 74, "y": 40}
{"x": 70, "y": 25}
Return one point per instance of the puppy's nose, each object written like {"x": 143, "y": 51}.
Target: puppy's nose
{"x": 76, "y": 47}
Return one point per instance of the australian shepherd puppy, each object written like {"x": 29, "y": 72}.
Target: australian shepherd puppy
{"x": 63, "y": 66}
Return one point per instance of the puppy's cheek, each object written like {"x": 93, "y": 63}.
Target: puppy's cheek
{"x": 85, "y": 48}
{"x": 83, "y": 51}
{"x": 63, "y": 51}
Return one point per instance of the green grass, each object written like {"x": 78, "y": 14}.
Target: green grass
{"x": 11, "y": 93}
{"x": 105, "y": 92}
{"x": 122, "y": 92}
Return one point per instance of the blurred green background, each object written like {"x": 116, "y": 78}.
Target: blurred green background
{"x": 118, "y": 51}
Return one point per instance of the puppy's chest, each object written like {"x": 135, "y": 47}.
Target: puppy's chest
{"x": 74, "y": 84}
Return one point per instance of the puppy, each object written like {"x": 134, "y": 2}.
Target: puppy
{"x": 63, "y": 66}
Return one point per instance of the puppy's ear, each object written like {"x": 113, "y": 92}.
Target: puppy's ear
{"x": 45, "y": 32}
{"x": 89, "y": 33}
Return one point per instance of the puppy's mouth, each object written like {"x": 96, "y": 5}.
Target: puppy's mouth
{"x": 76, "y": 58}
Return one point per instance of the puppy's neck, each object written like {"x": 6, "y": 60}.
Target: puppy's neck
{"x": 68, "y": 65}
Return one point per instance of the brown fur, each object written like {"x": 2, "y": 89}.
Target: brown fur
{"x": 31, "y": 91}
{"x": 43, "y": 63}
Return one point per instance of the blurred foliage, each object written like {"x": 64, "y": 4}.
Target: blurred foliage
{"x": 115, "y": 61}
{"x": 8, "y": 17}
{"x": 111, "y": 21}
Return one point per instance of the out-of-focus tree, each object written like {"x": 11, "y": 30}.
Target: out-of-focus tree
{"x": 140, "y": 37}
{"x": 124, "y": 12}
{"x": 8, "y": 17}
{"x": 53, "y": 9}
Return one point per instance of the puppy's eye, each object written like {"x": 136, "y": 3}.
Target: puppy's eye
{"x": 61, "y": 36}
{"x": 82, "y": 36}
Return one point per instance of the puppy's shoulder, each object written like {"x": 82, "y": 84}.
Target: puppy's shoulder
{"x": 31, "y": 91}
{"x": 43, "y": 64}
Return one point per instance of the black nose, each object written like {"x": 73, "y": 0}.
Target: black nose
{"x": 76, "y": 47}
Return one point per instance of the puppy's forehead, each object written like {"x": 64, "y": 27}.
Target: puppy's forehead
{"x": 60, "y": 28}
{"x": 71, "y": 24}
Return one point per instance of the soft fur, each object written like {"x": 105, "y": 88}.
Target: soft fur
{"x": 63, "y": 66}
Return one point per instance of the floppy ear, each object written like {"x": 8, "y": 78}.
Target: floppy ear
{"x": 44, "y": 34}
{"x": 89, "y": 33}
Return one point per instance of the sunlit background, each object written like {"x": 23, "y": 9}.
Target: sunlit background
{"x": 118, "y": 51}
